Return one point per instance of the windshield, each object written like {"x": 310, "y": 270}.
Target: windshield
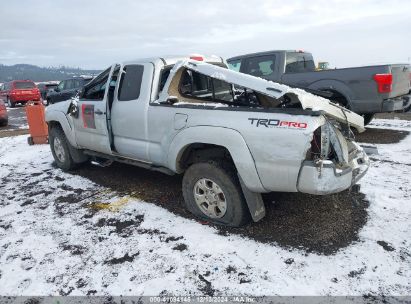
{"x": 24, "y": 85}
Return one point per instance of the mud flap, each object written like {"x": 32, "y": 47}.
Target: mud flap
{"x": 77, "y": 155}
{"x": 254, "y": 202}
{"x": 370, "y": 149}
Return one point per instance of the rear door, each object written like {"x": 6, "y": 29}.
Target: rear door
{"x": 91, "y": 127}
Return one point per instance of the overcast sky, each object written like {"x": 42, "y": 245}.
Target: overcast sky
{"x": 95, "y": 34}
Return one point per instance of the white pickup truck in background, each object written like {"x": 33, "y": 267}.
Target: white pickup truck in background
{"x": 232, "y": 135}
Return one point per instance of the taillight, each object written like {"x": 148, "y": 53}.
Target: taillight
{"x": 315, "y": 151}
{"x": 384, "y": 82}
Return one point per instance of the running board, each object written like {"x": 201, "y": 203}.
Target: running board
{"x": 130, "y": 161}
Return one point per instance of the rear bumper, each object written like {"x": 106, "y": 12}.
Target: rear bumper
{"x": 327, "y": 179}
{"x": 23, "y": 98}
{"x": 396, "y": 104}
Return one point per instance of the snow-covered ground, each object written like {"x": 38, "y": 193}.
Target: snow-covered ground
{"x": 62, "y": 234}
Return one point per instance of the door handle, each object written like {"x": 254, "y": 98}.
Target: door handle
{"x": 99, "y": 112}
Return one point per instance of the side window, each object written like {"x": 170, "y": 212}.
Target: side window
{"x": 261, "y": 66}
{"x": 95, "y": 89}
{"x": 234, "y": 65}
{"x": 69, "y": 84}
{"x": 130, "y": 82}
{"x": 78, "y": 83}
{"x": 299, "y": 62}
{"x": 163, "y": 78}
{"x": 61, "y": 86}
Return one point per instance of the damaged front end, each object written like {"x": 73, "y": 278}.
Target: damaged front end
{"x": 334, "y": 162}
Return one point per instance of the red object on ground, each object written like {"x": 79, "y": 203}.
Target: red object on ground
{"x": 37, "y": 123}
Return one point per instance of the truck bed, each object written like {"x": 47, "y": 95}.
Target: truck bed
{"x": 359, "y": 78}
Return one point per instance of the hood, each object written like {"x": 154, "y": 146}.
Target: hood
{"x": 275, "y": 90}
{"x": 61, "y": 106}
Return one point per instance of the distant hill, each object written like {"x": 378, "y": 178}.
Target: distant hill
{"x": 35, "y": 73}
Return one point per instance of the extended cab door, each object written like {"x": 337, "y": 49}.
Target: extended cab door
{"x": 91, "y": 124}
{"x": 129, "y": 110}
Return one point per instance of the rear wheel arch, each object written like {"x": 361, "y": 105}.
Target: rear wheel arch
{"x": 200, "y": 152}
{"x": 216, "y": 141}
{"x": 339, "y": 98}
{"x": 342, "y": 92}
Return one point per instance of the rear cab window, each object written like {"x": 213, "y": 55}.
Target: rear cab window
{"x": 299, "y": 62}
{"x": 204, "y": 88}
{"x": 24, "y": 85}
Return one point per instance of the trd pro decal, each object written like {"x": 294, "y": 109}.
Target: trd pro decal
{"x": 258, "y": 122}
{"x": 87, "y": 113}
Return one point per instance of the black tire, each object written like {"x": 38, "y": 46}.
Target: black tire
{"x": 225, "y": 176}
{"x": 367, "y": 118}
{"x": 10, "y": 103}
{"x": 30, "y": 141}
{"x": 67, "y": 163}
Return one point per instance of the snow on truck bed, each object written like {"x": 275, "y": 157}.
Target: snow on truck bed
{"x": 53, "y": 243}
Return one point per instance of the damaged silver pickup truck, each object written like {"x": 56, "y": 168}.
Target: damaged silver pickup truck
{"x": 232, "y": 135}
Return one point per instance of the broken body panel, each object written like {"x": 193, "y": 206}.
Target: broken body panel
{"x": 279, "y": 138}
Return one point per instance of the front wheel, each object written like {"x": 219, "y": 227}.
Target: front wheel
{"x": 367, "y": 118}
{"x": 212, "y": 192}
{"x": 60, "y": 149}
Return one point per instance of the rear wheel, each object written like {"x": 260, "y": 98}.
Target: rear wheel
{"x": 60, "y": 149}
{"x": 368, "y": 118}
{"x": 4, "y": 123}
{"x": 212, "y": 192}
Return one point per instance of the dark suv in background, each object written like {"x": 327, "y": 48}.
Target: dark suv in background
{"x": 45, "y": 87}
{"x": 66, "y": 89}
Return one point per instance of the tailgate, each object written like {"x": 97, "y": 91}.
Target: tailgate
{"x": 400, "y": 80}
